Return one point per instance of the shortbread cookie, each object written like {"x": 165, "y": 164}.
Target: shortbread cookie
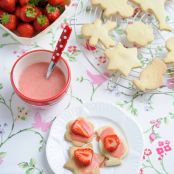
{"x": 112, "y": 146}
{"x": 99, "y": 32}
{"x": 139, "y": 34}
{"x": 83, "y": 160}
{"x": 122, "y": 59}
{"x": 79, "y": 131}
{"x": 170, "y": 47}
{"x": 157, "y": 8}
{"x": 152, "y": 76}
{"x": 114, "y": 7}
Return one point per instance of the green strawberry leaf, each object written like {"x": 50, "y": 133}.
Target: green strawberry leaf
{"x": 51, "y": 9}
{"x": 41, "y": 20}
{"x": 31, "y": 12}
{"x": 5, "y": 18}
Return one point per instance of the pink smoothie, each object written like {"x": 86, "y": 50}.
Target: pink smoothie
{"x": 33, "y": 82}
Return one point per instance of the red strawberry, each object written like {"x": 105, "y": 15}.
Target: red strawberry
{"x": 78, "y": 128}
{"x": 1, "y": 13}
{"x": 52, "y": 12}
{"x": 56, "y": 2}
{"x": 84, "y": 156}
{"x": 18, "y": 12}
{"x": 28, "y": 13}
{"x": 23, "y": 2}
{"x": 111, "y": 143}
{"x": 25, "y": 30}
{"x": 9, "y": 21}
{"x": 8, "y": 5}
{"x": 41, "y": 23}
{"x": 38, "y": 11}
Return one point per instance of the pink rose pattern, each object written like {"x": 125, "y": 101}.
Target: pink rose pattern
{"x": 160, "y": 151}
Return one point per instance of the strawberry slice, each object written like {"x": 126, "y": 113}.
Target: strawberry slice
{"x": 84, "y": 156}
{"x": 79, "y": 127}
{"x": 111, "y": 143}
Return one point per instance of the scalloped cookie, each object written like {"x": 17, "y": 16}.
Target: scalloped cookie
{"x": 152, "y": 76}
{"x": 157, "y": 8}
{"x": 99, "y": 32}
{"x": 139, "y": 34}
{"x": 80, "y": 131}
{"x": 114, "y": 7}
{"x": 83, "y": 160}
{"x": 170, "y": 47}
{"x": 112, "y": 146}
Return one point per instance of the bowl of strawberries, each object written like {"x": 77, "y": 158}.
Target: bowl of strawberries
{"x": 28, "y": 20}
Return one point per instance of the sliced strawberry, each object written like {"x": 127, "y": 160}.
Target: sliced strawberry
{"x": 79, "y": 128}
{"x": 111, "y": 143}
{"x": 84, "y": 156}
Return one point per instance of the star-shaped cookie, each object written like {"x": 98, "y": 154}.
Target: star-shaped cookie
{"x": 157, "y": 7}
{"x": 93, "y": 168}
{"x": 139, "y": 30}
{"x": 152, "y": 76}
{"x": 114, "y": 7}
{"x": 170, "y": 47}
{"x": 99, "y": 32}
{"x": 122, "y": 59}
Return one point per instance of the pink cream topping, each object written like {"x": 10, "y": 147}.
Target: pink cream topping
{"x": 82, "y": 131}
{"x": 121, "y": 148}
{"x": 96, "y": 163}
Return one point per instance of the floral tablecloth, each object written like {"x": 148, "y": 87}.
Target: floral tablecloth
{"x": 24, "y": 130}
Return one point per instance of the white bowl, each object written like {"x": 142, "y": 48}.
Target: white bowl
{"x": 29, "y": 41}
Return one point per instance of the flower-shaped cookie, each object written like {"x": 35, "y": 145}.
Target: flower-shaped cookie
{"x": 139, "y": 34}
{"x": 79, "y": 132}
{"x": 152, "y": 76}
{"x": 111, "y": 146}
{"x": 114, "y": 7}
{"x": 157, "y": 8}
{"x": 99, "y": 32}
{"x": 122, "y": 59}
{"x": 170, "y": 47}
{"x": 84, "y": 160}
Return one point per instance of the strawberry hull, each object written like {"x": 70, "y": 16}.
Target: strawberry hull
{"x": 29, "y": 41}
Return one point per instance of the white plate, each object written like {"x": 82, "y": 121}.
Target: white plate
{"x": 100, "y": 114}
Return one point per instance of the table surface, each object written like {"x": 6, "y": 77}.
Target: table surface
{"x": 24, "y": 131}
